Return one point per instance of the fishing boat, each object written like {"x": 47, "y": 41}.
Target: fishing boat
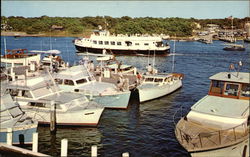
{"x": 13, "y": 117}
{"x": 20, "y": 57}
{"x": 155, "y": 85}
{"x": 102, "y": 42}
{"x": 38, "y": 95}
{"x": 109, "y": 64}
{"x": 51, "y": 60}
{"x": 158, "y": 85}
{"x": 247, "y": 40}
{"x": 234, "y": 47}
{"x": 218, "y": 124}
{"x": 79, "y": 79}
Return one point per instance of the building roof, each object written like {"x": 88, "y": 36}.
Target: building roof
{"x": 242, "y": 77}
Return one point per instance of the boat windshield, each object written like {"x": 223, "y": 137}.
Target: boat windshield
{"x": 149, "y": 79}
{"x": 231, "y": 89}
{"x": 158, "y": 80}
{"x": 216, "y": 87}
{"x": 81, "y": 81}
{"x": 245, "y": 90}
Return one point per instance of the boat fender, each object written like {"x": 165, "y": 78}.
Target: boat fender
{"x": 229, "y": 76}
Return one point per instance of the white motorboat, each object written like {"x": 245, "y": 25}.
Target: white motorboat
{"x": 20, "y": 57}
{"x": 78, "y": 79}
{"x": 19, "y": 61}
{"x": 218, "y": 124}
{"x": 101, "y": 41}
{"x": 36, "y": 96}
{"x": 157, "y": 85}
{"x": 11, "y": 116}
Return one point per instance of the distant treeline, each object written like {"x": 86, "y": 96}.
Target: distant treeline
{"x": 124, "y": 25}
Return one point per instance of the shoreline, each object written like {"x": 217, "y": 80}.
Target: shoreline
{"x": 64, "y": 34}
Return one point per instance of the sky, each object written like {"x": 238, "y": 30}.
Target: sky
{"x": 210, "y": 9}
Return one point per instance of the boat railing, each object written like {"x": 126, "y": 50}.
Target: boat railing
{"x": 211, "y": 140}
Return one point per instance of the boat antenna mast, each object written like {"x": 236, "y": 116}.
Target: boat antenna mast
{"x": 5, "y": 50}
{"x": 173, "y": 54}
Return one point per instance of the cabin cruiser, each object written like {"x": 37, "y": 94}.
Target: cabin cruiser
{"x": 20, "y": 61}
{"x": 157, "y": 85}
{"x": 109, "y": 65}
{"x": 13, "y": 117}
{"x": 38, "y": 95}
{"x": 79, "y": 79}
{"x": 234, "y": 47}
{"x": 20, "y": 57}
{"x": 218, "y": 124}
{"x": 102, "y": 42}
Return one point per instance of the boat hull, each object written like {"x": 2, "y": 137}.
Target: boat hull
{"x": 87, "y": 117}
{"x": 240, "y": 149}
{"x": 118, "y": 101}
{"x": 164, "y": 52}
{"x": 147, "y": 94}
{"x": 233, "y": 49}
{"x": 21, "y": 134}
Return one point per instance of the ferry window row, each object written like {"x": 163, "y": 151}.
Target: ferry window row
{"x": 115, "y": 43}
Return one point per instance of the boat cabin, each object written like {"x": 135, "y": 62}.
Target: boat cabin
{"x": 161, "y": 78}
{"x": 74, "y": 76}
{"x": 231, "y": 85}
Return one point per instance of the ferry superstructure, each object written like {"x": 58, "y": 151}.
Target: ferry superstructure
{"x": 218, "y": 124}
{"x": 102, "y": 42}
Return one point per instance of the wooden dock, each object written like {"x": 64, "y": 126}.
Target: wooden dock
{"x": 8, "y": 150}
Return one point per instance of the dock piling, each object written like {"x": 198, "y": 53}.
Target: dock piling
{"x": 52, "y": 117}
{"x": 94, "y": 151}
{"x": 35, "y": 142}
{"x": 9, "y": 136}
{"x": 64, "y": 147}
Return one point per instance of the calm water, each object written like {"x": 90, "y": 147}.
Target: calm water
{"x": 144, "y": 130}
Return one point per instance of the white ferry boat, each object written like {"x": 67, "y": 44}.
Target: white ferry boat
{"x": 101, "y": 41}
{"x": 218, "y": 124}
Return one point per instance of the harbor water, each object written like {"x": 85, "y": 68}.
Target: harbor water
{"x": 147, "y": 129}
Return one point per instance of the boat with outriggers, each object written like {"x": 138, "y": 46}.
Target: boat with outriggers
{"x": 38, "y": 96}
{"x": 218, "y": 124}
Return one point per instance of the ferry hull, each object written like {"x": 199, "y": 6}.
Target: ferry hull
{"x": 124, "y": 52}
{"x": 146, "y": 94}
{"x": 20, "y": 134}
